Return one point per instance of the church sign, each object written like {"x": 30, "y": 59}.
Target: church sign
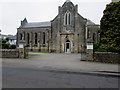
{"x": 21, "y": 46}
{"x": 89, "y": 46}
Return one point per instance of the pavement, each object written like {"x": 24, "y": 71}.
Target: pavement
{"x": 64, "y": 62}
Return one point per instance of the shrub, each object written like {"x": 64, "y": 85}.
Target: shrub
{"x": 5, "y": 46}
{"x": 4, "y": 41}
{"x": 12, "y": 46}
{"x": 98, "y": 48}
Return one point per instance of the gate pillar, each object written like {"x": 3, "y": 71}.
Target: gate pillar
{"x": 89, "y": 51}
{"x": 22, "y": 50}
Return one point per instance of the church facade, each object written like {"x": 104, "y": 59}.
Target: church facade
{"x": 68, "y": 32}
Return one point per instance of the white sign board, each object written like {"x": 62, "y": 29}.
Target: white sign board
{"x": 89, "y": 46}
{"x": 20, "y": 45}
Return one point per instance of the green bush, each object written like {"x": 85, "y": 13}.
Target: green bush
{"x": 98, "y": 48}
{"x": 12, "y": 46}
{"x": 5, "y": 46}
{"x": 4, "y": 41}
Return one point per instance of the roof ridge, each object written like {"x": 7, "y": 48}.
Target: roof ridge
{"x": 89, "y": 22}
{"x": 39, "y": 22}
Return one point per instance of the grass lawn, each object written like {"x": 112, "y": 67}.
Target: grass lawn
{"x": 39, "y": 52}
{"x": 31, "y": 55}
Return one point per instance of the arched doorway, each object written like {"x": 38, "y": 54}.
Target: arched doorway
{"x": 67, "y": 46}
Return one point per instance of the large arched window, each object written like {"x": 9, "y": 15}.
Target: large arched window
{"x": 28, "y": 38}
{"x": 67, "y": 18}
{"x": 21, "y": 36}
{"x": 43, "y": 37}
{"x": 94, "y": 37}
{"x": 35, "y": 38}
{"x": 88, "y": 34}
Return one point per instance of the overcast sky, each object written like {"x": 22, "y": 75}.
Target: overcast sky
{"x": 13, "y": 11}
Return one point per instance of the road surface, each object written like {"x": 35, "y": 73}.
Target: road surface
{"x": 32, "y": 73}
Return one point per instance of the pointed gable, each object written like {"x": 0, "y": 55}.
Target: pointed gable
{"x": 68, "y": 3}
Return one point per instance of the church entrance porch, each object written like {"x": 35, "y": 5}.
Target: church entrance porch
{"x": 67, "y": 47}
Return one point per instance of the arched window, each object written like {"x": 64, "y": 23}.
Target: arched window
{"x": 67, "y": 18}
{"x": 43, "y": 37}
{"x": 94, "y": 37}
{"x": 28, "y": 38}
{"x": 88, "y": 34}
{"x": 21, "y": 36}
{"x": 35, "y": 38}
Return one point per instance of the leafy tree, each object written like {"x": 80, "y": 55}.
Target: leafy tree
{"x": 110, "y": 28}
{"x": 97, "y": 47}
{"x": 7, "y": 39}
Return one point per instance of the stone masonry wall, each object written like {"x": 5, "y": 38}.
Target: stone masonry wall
{"x": 107, "y": 57}
{"x": 9, "y": 53}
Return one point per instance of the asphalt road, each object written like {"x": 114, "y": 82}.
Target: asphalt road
{"x": 50, "y": 71}
{"x": 18, "y": 77}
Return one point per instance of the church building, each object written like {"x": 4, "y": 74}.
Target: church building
{"x": 68, "y": 32}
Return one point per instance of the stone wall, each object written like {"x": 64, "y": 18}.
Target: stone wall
{"x": 9, "y": 53}
{"x": 107, "y": 57}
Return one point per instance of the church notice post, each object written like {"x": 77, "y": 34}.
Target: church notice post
{"x": 89, "y": 51}
{"x": 22, "y": 51}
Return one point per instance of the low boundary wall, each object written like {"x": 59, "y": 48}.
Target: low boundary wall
{"x": 107, "y": 57}
{"x": 9, "y": 53}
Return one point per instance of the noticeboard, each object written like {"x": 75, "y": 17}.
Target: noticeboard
{"x": 21, "y": 46}
{"x": 89, "y": 46}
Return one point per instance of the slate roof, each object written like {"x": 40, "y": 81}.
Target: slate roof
{"x": 36, "y": 24}
{"x": 46, "y": 24}
{"x": 89, "y": 22}
{"x": 13, "y": 37}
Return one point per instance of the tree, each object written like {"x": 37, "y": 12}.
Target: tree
{"x": 7, "y": 39}
{"x": 110, "y": 27}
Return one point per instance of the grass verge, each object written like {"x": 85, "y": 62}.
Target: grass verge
{"x": 31, "y": 55}
{"x": 39, "y": 52}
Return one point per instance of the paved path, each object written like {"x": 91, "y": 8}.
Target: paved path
{"x": 68, "y": 62}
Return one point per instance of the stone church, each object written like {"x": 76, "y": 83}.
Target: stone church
{"x": 68, "y": 32}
